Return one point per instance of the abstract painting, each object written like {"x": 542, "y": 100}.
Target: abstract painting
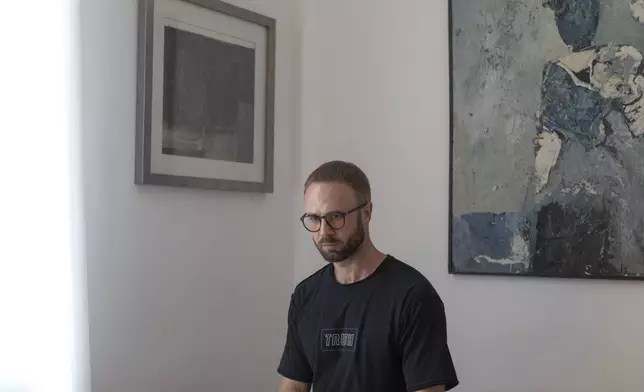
{"x": 547, "y": 138}
{"x": 209, "y": 98}
{"x": 205, "y": 97}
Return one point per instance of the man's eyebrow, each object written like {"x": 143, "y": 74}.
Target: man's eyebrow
{"x": 322, "y": 214}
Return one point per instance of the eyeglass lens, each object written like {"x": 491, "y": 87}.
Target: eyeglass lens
{"x": 314, "y": 223}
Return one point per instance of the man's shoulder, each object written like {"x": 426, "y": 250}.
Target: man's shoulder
{"x": 309, "y": 285}
{"x": 406, "y": 272}
{"x": 409, "y": 279}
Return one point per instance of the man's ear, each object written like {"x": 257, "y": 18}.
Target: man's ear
{"x": 368, "y": 210}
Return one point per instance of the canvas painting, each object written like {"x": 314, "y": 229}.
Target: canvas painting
{"x": 547, "y": 138}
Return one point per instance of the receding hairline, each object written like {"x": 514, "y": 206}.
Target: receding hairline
{"x": 342, "y": 172}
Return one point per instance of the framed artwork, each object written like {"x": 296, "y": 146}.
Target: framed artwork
{"x": 205, "y": 97}
{"x": 547, "y": 138}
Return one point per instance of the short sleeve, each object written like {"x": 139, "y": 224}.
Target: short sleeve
{"x": 426, "y": 357}
{"x": 294, "y": 364}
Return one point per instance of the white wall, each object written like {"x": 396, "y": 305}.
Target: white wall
{"x": 375, "y": 91}
{"x": 188, "y": 289}
{"x": 175, "y": 303}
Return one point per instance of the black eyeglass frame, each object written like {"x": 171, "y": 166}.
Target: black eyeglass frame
{"x": 323, "y": 218}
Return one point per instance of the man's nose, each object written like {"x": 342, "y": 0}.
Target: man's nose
{"x": 325, "y": 229}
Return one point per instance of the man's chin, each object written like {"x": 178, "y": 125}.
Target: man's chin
{"x": 333, "y": 257}
{"x": 335, "y": 260}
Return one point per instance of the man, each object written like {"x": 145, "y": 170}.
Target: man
{"x": 365, "y": 322}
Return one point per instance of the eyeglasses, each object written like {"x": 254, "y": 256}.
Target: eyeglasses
{"x": 335, "y": 219}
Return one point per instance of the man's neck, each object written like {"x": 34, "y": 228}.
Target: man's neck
{"x": 359, "y": 266}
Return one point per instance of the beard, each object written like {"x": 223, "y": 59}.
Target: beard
{"x": 341, "y": 253}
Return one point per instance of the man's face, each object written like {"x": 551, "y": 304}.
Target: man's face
{"x": 336, "y": 244}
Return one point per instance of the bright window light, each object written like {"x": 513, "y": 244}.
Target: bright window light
{"x": 42, "y": 321}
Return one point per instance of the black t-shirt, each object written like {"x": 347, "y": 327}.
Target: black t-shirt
{"x": 384, "y": 333}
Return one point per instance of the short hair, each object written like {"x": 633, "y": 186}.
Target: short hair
{"x": 342, "y": 172}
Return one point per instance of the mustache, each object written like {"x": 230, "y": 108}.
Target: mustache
{"x": 329, "y": 241}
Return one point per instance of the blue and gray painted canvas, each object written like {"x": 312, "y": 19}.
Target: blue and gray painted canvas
{"x": 548, "y": 137}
